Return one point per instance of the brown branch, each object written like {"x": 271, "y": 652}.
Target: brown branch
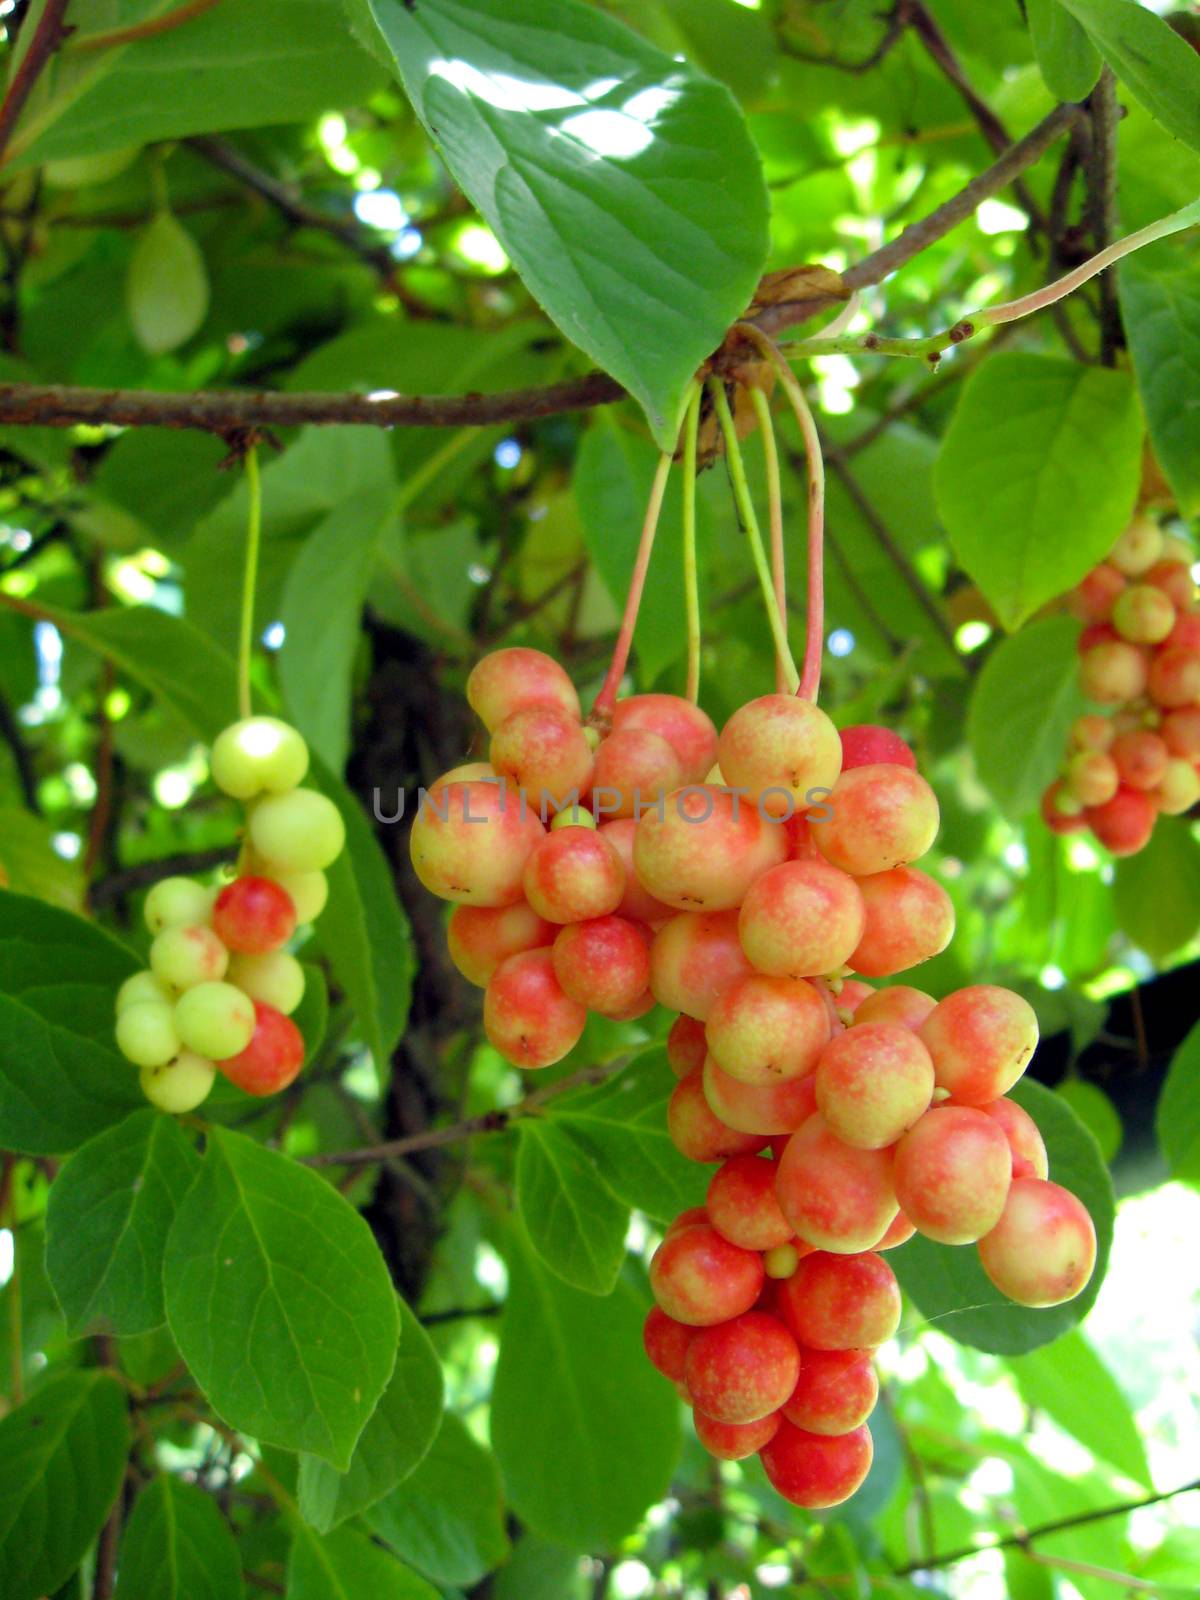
{"x": 47, "y": 37}
{"x": 1102, "y": 203}
{"x": 1021, "y": 1541}
{"x": 118, "y": 884}
{"x": 144, "y": 30}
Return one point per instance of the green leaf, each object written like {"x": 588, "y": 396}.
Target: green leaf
{"x": 574, "y": 1222}
{"x": 1097, "y": 1113}
{"x": 62, "y": 1459}
{"x": 1156, "y": 893}
{"x": 61, "y": 1078}
{"x": 178, "y": 1546}
{"x": 623, "y": 1122}
{"x": 321, "y": 610}
{"x": 622, "y": 184}
{"x": 447, "y": 1517}
{"x": 1160, "y": 308}
{"x": 33, "y": 865}
{"x": 346, "y": 1565}
{"x": 273, "y": 61}
{"x": 1178, "y": 1118}
{"x": 540, "y": 1571}
{"x": 279, "y": 1300}
{"x": 572, "y": 1387}
{"x": 1068, "y": 60}
{"x": 1068, "y": 1381}
{"x": 1038, "y": 474}
{"x": 399, "y": 1433}
{"x": 1022, "y": 705}
{"x": 166, "y": 288}
{"x": 950, "y": 1288}
{"x": 109, "y": 1213}
{"x": 1151, "y": 60}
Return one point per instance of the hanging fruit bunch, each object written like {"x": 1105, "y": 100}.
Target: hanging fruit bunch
{"x": 751, "y": 882}
{"x": 1138, "y": 756}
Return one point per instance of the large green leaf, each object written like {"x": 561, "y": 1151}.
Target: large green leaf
{"x": 1068, "y": 60}
{"x": 950, "y": 1288}
{"x": 573, "y": 1388}
{"x": 447, "y": 1517}
{"x": 279, "y": 1300}
{"x": 107, "y": 1220}
{"x": 623, "y": 1122}
{"x": 62, "y": 1459}
{"x": 1156, "y": 893}
{"x": 574, "y": 1221}
{"x": 1160, "y": 307}
{"x": 1038, "y": 474}
{"x": 401, "y": 1429}
{"x": 346, "y": 1565}
{"x": 1068, "y": 1381}
{"x": 259, "y": 62}
{"x": 178, "y": 1546}
{"x": 61, "y": 1078}
{"x": 1022, "y": 704}
{"x": 1157, "y": 67}
{"x": 622, "y": 184}
{"x": 1178, "y": 1118}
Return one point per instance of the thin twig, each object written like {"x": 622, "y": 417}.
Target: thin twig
{"x": 118, "y": 884}
{"x": 896, "y": 24}
{"x": 48, "y": 35}
{"x": 432, "y": 1319}
{"x": 1102, "y": 203}
{"x": 143, "y": 30}
{"x": 10, "y": 732}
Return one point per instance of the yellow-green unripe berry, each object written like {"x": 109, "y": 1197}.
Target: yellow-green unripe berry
{"x": 179, "y": 1085}
{"x": 275, "y": 979}
{"x": 309, "y": 892}
{"x": 146, "y": 1033}
{"x": 175, "y": 902}
{"x": 183, "y": 957}
{"x": 782, "y": 1261}
{"x": 298, "y": 832}
{"x": 576, "y": 816}
{"x": 257, "y": 754}
{"x": 143, "y": 986}
{"x": 215, "y": 1020}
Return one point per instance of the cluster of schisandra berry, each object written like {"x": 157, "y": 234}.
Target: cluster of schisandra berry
{"x": 220, "y": 989}
{"x": 750, "y": 876}
{"x": 1139, "y": 658}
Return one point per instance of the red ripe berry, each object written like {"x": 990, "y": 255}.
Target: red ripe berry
{"x": 1060, "y": 821}
{"x": 865, "y": 744}
{"x": 253, "y": 916}
{"x": 1141, "y": 758}
{"x": 814, "y": 1471}
{"x": 1092, "y": 599}
{"x": 1125, "y": 824}
{"x": 742, "y": 1370}
{"x": 666, "y": 1343}
{"x": 835, "y": 1393}
{"x": 696, "y": 1130}
{"x": 701, "y": 1279}
{"x": 273, "y": 1057}
{"x": 1185, "y": 635}
{"x": 734, "y": 1441}
{"x": 526, "y": 1015}
{"x": 686, "y": 1046}
{"x": 836, "y": 1302}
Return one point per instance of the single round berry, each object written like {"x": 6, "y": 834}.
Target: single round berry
{"x": 779, "y": 749}
{"x": 704, "y": 847}
{"x": 471, "y": 841}
{"x": 1143, "y": 614}
{"x": 308, "y": 892}
{"x": 900, "y": 1003}
{"x": 1091, "y": 732}
{"x": 1092, "y": 777}
{"x": 952, "y": 1172}
{"x": 1141, "y": 758}
{"x": 837, "y": 1302}
{"x": 686, "y": 1046}
{"x": 1093, "y": 599}
{"x": 783, "y": 1260}
{"x": 633, "y": 768}
{"x": 695, "y": 1129}
{"x": 1112, "y": 672}
{"x": 1025, "y": 1141}
{"x": 742, "y": 1370}
{"x": 526, "y": 1016}
{"x": 1043, "y": 1249}
{"x": 762, "y": 1030}
{"x": 479, "y": 938}
{"x": 216, "y": 1020}
{"x": 273, "y": 1057}
{"x": 573, "y": 874}
{"x": 907, "y": 919}
{"x": 801, "y": 919}
{"x": 688, "y": 730}
{"x": 180, "y": 1084}
{"x": 253, "y": 915}
{"x": 144, "y": 986}
{"x": 544, "y": 751}
{"x": 505, "y": 681}
{"x": 834, "y": 1196}
{"x": 1124, "y": 825}
{"x": 865, "y": 744}
{"x": 182, "y": 957}
{"x": 981, "y": 1039}
{"x": 573, "y": 817}
{"x": 742, "y": 1207}
{"x": 1174, "y": 678}
{"x": 734, "y": 1441}
{"x": 813, "y": 1471}
{"x": 1138, "y": 548}
{"x": 300, "y": 832}
{"x": 883, "y": 816}
{"x": 835, "y": 1392}
{"x": 701, "y": 1279}
{"x": 1181, "y": 732}
{"x": 873, "y": 1082}
{"x": 603, "y": 963}
{"x": 898, "y": 1231}
{"x": 277, "y": 979}
{"x": 177, "y": 903}
{"x": 257, "y": 754}
{"x": 1175, "y": 580}
{"x": 638, "y": 904}
{"x": 1060, "y": 810}
{"x": 666, "y": 1343}
{"x": 1179, "y": 788}
{"x": 693, "y": 958}
{"x": 759, "y": 1108}
{"x": 146, "y": 1033}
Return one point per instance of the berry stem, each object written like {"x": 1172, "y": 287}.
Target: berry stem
{"x": 606, "y": 700}
{"x": 814, "y": 642}
{"x": 691, "y": 582}
{"x": 749, "y": 518}
{"x": 762, "y": 407}
{"x": 249, "y": 579}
